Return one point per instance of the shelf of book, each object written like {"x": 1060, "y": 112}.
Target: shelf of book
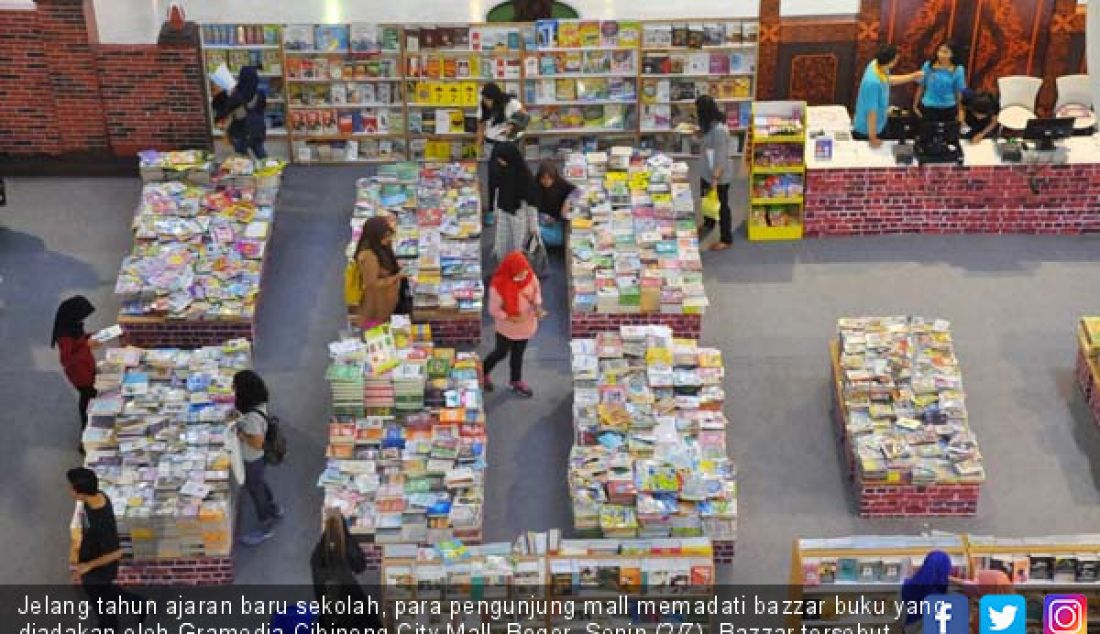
{"x": 180, "y": 531}
{"x": 946, "y": 479}
{"x": 1088, "y": 363}
{"x": 238, "y": 45}
{"x": 777, "y": 171}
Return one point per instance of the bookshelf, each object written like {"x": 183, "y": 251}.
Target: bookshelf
{"x": 777, "y": 170}
{"x": 682, "y": 61}
{"x": 238, "y": 45}
{"x": 445, "y": 68}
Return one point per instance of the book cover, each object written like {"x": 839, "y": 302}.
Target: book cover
{"x": 609, "y": 33}
{"x": 546, "y": 33}
{"x": 364, "y": 38}
{"x": 590, "y": 34}
{"x": 680, "y": 36}
{"x": 331, "y": 38}
{"x": 695, "y": 36}
{"x": 630, "y": 34}
{"x": 569, "y": 34}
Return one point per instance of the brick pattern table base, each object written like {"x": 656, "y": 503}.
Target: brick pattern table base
{"x": 588, "y": 325}
{"x": 1089, "y": 384}
{"x": 184, "y": 334}
{"x": 723, "y": 552}
{"x": 456, "y": 332}
{"x": 951, "y": 200}
{"x": 184, "y": 571}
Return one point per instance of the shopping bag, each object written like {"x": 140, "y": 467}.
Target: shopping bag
{"x": 353, "y": 292}
{"x": 710, "y": 205}
{"x": 535, "y": 251}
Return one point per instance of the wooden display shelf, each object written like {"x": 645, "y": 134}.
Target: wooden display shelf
{"x": 344, "y": 106}
{"x": 771, "y": 202}
{"x": 317, "y": 80}
{"x": 782, "y": 169}
{"x": 778, "y": 139}
{"x": 599, "y": 102}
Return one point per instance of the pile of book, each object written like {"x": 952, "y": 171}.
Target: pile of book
{"x": 1090, "y": 332}
{"x": 156, "y": 439}
{"x": 649, "y": 457}
{"x": 406, "y": 456}
{"x": 437, "y": 210}
{"x": 634, "y": 244}
{"x": 904, "y": 403}
{"x": 198, "y": 249}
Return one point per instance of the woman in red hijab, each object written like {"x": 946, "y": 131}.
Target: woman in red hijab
{"x": 515, "y": 302}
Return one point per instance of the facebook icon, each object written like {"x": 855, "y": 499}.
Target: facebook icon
{"x": 946, "y": 614}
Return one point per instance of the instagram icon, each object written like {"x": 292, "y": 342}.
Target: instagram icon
{"x": 1064, "y": 614}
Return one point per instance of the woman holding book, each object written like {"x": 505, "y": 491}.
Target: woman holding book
{"x": 717, "y": 166}
{"x": 380, "y": 275}
{"x": 515, "y": 218}
{"x": 515, "y": 303}
{"x": 497, "y": 125}
{"x": 243, "y": 107}
{"x": 74, "y": 347}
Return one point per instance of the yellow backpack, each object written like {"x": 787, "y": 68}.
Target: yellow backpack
{"x": 353, "y": 291}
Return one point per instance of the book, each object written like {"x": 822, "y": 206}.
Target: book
{"x": 331, "y": 38}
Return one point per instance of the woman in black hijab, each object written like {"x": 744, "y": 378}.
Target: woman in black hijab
{"x": 515, "y": 218}
{"x": 335, "y": 561}
{"x": 244, "y": 107}
{"x": 75, "y": 349}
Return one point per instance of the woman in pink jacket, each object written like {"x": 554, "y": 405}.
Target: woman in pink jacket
{"x": 515, "y": 302}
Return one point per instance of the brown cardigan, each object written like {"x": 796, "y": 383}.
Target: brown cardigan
{"x": 381, "y": 289}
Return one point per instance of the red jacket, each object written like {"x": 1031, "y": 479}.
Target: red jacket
{"x": 77, "y": 360}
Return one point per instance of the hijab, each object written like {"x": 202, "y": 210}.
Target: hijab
{"x": 374, "y": 232}
{"x": 505, "y": 284}
{"x": 494, "y": 114}
{"x": 513, "y": 179}
{"x": 248, "y": 82}
{"x": 69, "y": 320}
{"x": 930, "y": 578}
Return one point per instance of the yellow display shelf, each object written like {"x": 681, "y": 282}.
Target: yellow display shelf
{"x": 787, "y": 200}
{"x": 764, "y": 233}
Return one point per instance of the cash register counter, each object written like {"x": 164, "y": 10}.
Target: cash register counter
{"x": 862, "y": 191}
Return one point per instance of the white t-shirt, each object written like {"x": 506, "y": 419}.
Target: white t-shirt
{"x": 254, "y": 424}
{"x": 499, "y": 132}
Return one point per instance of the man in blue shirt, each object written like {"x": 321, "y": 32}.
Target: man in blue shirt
{"x": 874, "y": 95}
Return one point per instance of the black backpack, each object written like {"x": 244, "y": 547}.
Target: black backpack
{"x": 274, "y": 440}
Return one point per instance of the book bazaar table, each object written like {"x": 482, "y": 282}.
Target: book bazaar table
{"x": 896, "y": 498}
{"x": 1088, "y": 374}
{"x": 862, "y": 191}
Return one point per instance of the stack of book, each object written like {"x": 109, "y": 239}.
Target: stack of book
{"x": 156, "y": 439}
{"x": 406, "y": 461}
{"x": 634, "y": 243}
{"x": 437, "y": 210}
{"x": 1090, "y": 331}
{"x": 906, "y": 418}
{"x": 198, "y": 249}
{"x": 649, "y": 457}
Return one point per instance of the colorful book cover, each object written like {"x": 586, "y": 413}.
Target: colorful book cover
{"x": 546, "y": 33}
{"x": 331, "y": 38}
{"x": 630, "y": 34}
{"x": 590, "y": 34}
{"x": 609, "y": 33}
{"x": 365, "y": 38}
{"x": 569, "y": 34}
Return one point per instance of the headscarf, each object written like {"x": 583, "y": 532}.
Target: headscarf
{"x": 248, "y": 81}
{"x": 513, "y": 179}
{"x": 494, "y": 114}
{"x": 69, "y": 320}
{"x": 503, "y": 281}
{"x": 931, "y": 578}
{"x": 374, "y": 232}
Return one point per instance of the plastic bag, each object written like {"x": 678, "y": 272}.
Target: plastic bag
{"x": 710, "y": 206}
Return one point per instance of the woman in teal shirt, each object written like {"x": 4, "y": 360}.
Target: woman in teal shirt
{"x": 940, "y": 92}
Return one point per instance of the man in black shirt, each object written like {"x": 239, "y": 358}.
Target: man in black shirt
{"x": 97, "y": 565}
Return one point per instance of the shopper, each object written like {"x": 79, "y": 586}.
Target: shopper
{"x": 380, "y": 275}
{"x": 932, "y": 577}
{"x": 516, "y": 220}
{"x": 940, "y": 91}
{"x": 250, "y": 399}
{"x": 552, "y": 194}
{"x": 100, "y": 550}
{"x": 715, "y": 164}
{"x": 335, "y": 561}
{"x": 498, "y": 124}
{"x": 74, "y": 347}
{"x": 243, "y": 110}
{"x": 873, "y": 101}
{"x": 515, "y": 303}
{"x": 980, "y": 116}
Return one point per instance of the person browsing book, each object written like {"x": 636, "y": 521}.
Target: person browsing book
{"x": 100, "y": 549}
{"x": 873, "y": 101}
{"x": 715, "y": 165}
{"x": 74, "y": 348}
{"x": 334, "y": 562}
{"x": 515, "y": 303}
{"x": 250, "y": 399}
{"x": 380, "y": 275}
{"x": 553, "y": 195}
{"x": 496, "y": 125}
{"x": 243, "y": 110}
{"x": 933, "y": 577}
{"x": 515, "y": 218}
{"x": 940, "y": 91}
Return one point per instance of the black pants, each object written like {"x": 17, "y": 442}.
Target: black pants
{"x": 108, "y": 591}
{"x": 86, "y": 395}
{"x": 505, "y": 346}
{"x": 929, "y": 113}
{"x": 725, "y": 215}
{"x": 266, "y": 508}
{"x": 243, "y": 143}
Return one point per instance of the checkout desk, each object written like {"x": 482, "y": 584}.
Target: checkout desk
{"x": 861, "y": 190}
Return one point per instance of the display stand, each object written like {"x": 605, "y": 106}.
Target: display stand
{"x": 777, "y": 172}
{"x": 1088, "y": 369}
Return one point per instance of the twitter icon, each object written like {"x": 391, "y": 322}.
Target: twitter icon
{"x": 1003, "y": 614}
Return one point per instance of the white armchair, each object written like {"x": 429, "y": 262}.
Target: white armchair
{"x": 1018, "y": 96}
{"x": 1075, "y": 101}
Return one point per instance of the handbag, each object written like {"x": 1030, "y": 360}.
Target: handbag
{"x": 710, "y": 206}
{"x": 535, "y": 251}
{"x": 553, "y": 233}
